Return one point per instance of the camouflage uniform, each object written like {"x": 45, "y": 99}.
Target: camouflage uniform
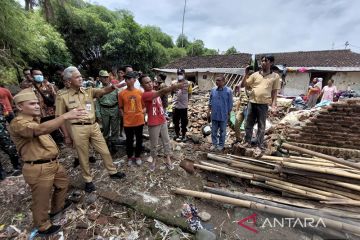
{"x": 6, "y": 144}
{"x": 243, "y": 101}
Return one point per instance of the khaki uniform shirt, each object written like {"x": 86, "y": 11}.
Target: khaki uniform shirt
{"x": 69, "y": 99}
{"x": 30, "y": 147}
{"x": 261, "y": 87}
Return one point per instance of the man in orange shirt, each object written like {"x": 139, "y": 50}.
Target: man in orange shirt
{"x": 6, "y": 100}
{"x": 132, "y": 108}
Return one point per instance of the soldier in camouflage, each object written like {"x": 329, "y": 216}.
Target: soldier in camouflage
{"x": 7, "y": 146}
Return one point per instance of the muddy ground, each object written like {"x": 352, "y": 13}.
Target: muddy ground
{"x": 93, "y": 217}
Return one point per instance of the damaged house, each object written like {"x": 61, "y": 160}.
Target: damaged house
{"x": 343, "y": 66}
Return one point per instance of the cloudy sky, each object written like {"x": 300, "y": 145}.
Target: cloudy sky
{"x": 253, "y": 26}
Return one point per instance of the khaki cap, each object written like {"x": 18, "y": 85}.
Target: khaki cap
{"x": 25, "y": 95}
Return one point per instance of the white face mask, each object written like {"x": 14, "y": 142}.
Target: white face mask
{"x": 180, "y": 77}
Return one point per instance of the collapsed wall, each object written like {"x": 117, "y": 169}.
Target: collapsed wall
{"x": 334, "y": 131}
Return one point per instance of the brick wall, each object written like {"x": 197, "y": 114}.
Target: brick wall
{"x": 338, "y": 126}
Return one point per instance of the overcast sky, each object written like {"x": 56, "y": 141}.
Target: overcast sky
{"x": 253, "y": 26}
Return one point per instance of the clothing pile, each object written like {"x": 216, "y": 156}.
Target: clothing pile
{"x": 190, "y": 212}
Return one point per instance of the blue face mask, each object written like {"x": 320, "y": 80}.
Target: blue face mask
{"x": 38, "y": 78}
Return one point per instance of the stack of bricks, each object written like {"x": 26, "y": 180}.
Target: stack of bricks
{"x": 337, "y": 126}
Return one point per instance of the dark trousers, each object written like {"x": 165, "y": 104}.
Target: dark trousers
{"x": 180, "y": 115}
{"x": 56, "y": 135}
{"x": 257, "y": 113}
{"x": 130, "y": 132}
{"x": 10, "y": 117}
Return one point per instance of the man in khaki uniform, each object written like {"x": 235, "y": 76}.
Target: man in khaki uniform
{"x": 86, "y": 130}
{"x": 41, "y": 170}
{"x": 263, "y": 86}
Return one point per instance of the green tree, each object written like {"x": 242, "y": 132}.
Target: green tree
{"x": 196, "y": 48}
{"x": 209, "y": 51}
{"x": 85, "y": 30}
{"x": 182, "y": 41}
{"x": 176, "y": 52}
{"x": 159, "y": 36}
{"x": 231, "y": 50}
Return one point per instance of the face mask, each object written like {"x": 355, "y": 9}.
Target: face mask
{"x": 39, "y": 78}
{"x": 180, "y": 77}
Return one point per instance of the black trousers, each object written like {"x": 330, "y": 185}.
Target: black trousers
{"x": 180, "y": 115}
{"x": 256, "y": 113}
{"x": 130, "y": 132}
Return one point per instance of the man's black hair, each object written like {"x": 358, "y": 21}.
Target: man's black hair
{"x": 26, "y": 69}
{"x": 269, "y": 57}
{"x": 123, "y": 68}
{"x": 141, "y": 78}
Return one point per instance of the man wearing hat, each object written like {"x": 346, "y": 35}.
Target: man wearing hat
{"x": 41, "y": 170}
{"x": 107, "y": 110}
{"x": 263, "y": 86}
{"x": 86, "y": 130}
{"x": 181, "y": 101}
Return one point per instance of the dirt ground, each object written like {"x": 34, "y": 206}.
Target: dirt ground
{"x": 93, "y": 217}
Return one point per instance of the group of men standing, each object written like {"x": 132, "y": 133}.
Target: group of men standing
{"x": 74, "y": 111}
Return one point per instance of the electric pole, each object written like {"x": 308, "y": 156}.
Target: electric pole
{"x": 182, "y": 28}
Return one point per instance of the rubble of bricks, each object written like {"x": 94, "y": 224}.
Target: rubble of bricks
{"x": 332, "y": 130}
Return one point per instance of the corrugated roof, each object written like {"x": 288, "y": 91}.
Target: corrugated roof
{"x": 326, "y": 58}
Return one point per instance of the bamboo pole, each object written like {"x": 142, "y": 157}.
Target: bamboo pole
{"x": 332, "y": 214}
{"x": 231, "y": 173}
{"x": 343, "y": 202}
{"x": 320, "y": 155}
{"x": 273, "y": 198}
{"x": 298, "y": 191}
{"x": 341, "y": 184}
{"x": 321, "y": 192}
{"x": 263, "y": 185}
{"x": 252, "y": 167}
{"x": 346, "y": 227}
{"x": 292, "y": 195}
{"x": 324, "y": 186}
{"x": 322, "y": 170}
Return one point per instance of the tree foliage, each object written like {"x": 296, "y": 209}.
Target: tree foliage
{"x": 76, "y": 32}
{"x": 231, "y": 50}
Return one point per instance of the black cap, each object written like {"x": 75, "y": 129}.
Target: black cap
{"x": 180, "y": 71}
{"x": 131, "y": 75}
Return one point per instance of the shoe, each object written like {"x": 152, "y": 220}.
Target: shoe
{"x": 131, "y": 161}
{"x": 67, "y": 205}
{"x": 118, "y": 175}
{"x": 92, "y": 159}
{"x": 176, "y": 137}
{"x": 76, "y": 163}
{"x": 212, "y": 148}
{"x": 183, "y": 139}
{"x": 89, "y": 187}
{"x": 138, "y": 161}
{"x": 50, "y": 231}
{"x": 219, "y": 148}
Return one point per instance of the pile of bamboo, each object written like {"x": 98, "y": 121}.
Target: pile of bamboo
{"x": 315, "y": 186}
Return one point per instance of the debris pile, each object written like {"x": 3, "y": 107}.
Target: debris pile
{"x": 312, "y": 185}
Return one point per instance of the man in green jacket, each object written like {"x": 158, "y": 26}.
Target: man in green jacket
{"x": 107, "y": 111}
